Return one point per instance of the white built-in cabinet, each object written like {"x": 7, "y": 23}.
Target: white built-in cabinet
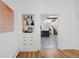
{"x": 29, "y": 42}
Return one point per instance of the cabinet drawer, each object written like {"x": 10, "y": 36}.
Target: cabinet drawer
{"x": 24, "y": 44}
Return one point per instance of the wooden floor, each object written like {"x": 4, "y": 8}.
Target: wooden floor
{"x": 49, "y": 53}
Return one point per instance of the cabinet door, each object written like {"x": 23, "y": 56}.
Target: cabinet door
{"x": 30, "y": 42}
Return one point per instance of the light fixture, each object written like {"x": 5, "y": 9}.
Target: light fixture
{"x": 52, "y": 17}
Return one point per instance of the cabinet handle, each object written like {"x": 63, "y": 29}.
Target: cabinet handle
{"x": 24, "y": 43}
{"x": 24, "y": 37}
{"x": 31, "y": 40}
{"x": 24, "y": 40}
{"x": 31, "y": 44}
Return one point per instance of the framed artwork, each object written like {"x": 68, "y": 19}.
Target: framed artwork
{"x": 6, "y": 18}
{"x": 28, "y": 24}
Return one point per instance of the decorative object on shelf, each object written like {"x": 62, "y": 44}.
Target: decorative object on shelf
{"x": 28, "y": 24}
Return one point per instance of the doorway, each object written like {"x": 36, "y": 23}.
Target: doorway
{"x": 49, "y": 31}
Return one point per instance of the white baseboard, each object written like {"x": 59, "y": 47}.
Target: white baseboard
{"x": 68, "y": 49}
{"x": 14, "y": 53}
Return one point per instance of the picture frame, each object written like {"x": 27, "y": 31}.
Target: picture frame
{"x": 28, "y": 23}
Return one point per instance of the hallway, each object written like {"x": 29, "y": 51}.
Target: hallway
{"x": 49, "y": 42}
{"x": 49, "y": 46}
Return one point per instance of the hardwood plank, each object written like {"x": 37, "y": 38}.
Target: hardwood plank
{"x": 71, "y": 53}
{"x": 49, "y": 53}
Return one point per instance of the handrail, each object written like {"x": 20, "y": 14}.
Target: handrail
{"x": 54, "y": 31}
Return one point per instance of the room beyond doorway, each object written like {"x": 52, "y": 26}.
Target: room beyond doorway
{"x": 49, "y": 31}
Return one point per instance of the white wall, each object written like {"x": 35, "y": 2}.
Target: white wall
{"x": 66, "y": 28}
{"x": 8, "y": 43}
{"x": 77, "y": 24}
{"x": 65, "y": 10}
